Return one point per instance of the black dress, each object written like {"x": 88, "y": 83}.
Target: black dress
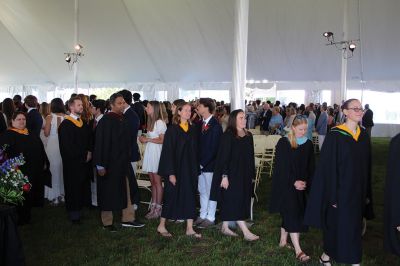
{"x": 74, "y": 144}
{"x": 179, "y": 158}
{"x": 291, "y": 165}
{"x": 342, "y": 178}
{"x": 33, "y": 151}
{"x": 113, "y": 152}
{"x": 236, "y": 160}
{"x": 392, "y": 198}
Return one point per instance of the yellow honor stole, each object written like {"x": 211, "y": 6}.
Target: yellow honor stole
{"x": 76, "y": 122}
{"x": 347, "y": 130}
{"x": 184, "y": 126}
{"x": 20, "y": 131}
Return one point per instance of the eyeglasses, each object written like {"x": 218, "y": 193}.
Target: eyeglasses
{"x": 355, "y": 109}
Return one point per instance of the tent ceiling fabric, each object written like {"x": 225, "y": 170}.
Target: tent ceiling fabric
{"x": 187, "y": 41}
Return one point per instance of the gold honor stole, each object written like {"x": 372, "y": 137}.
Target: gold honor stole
{"x": 76, "y": 122}
{"x": 185, "y": 126}
{"x": 20, "y": 131}
{"x": 344, "y": 129}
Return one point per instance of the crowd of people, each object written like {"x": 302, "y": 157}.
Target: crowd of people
{"x": 202, "y": 149}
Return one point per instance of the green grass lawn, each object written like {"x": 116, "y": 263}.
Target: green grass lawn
{"x": 52, "y": 240}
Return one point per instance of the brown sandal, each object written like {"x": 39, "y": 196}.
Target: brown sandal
{"x": 302, "y": 257}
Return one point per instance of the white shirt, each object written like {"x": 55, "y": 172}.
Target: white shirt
{"x": 99, "y": 117}
{"x": 207, "y": 120}
{"x": 126, "y": 109}
{"x": 74, "y": 116}
{"x": 30, "y": 109}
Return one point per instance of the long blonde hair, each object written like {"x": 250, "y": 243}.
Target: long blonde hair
{"x": 298, "y": 120}
{"x": 157, "y": 115}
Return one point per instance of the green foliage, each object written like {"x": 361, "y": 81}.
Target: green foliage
{"x": 52, "y": 240}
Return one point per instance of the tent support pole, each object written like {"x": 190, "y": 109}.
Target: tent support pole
{"x": 343, "y": 83}
{"x": 240, "y": 54}
{"x": 76, "y": 39}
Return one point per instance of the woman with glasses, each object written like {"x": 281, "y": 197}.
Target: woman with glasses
{"x": 294, "y": 167}
{"x": 341, "y": 193}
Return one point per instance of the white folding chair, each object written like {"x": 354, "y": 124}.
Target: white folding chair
{"x": 315, "y": 141}
{"x": 269, "y": 156}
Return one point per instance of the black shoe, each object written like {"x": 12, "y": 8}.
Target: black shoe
{"x": 135, "y": 223}
{"x": 110, "y": 228}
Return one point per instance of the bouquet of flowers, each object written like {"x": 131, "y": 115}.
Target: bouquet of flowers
{"x": 13, "y": 183}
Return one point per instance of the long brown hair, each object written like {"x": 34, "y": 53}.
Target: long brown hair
{"x": 232, "y": 126}
{"x": 86, "y": 114}
{"x": 298, "y": 120}
{"x": 44, "y": 109}
{"x": 176, "y": 119}
{"x": 157, "y": 115}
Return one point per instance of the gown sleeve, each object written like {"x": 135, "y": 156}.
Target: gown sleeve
{"x": 221, "y": 164}
{"x": 166, "y": 166}
{"x": 103, "y": 144}
{"x": 369, "y": 210}
{"x": 252, "y": 160}
{"x": 280, "y": 176}
{"x": 324, "y": 183}
{"x": 6, "y": 139}
{"x": 310, "y": 165}
{"x": 392, "y": 198}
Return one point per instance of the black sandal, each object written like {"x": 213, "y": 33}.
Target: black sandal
{"x": 323, "y": 262}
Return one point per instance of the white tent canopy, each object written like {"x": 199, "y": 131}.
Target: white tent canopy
{"x": 191, "y": 41}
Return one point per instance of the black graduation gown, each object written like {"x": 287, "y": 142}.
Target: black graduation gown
{"x": 236, "y": 160}
{"x": 179, "y": 158}
{"x": 35, "y": 159}
{"x": 74, "y": 144}
{"x": 342, "y": 177}
{"x": 113, "y": 151}
{"x": 3, "y": 123}
{"x": 291, "y": 165}
{"x": 89, "y": 165}
{"x": 392, "y": 198}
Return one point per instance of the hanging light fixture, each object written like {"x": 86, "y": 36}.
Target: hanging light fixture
{"x": 352, "y": 47}
{"x": 347, "y": 47}
{"x": 72, "y": 57}
{"x": 78, "y": 47}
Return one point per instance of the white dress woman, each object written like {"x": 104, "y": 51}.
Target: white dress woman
{"x": 55, "y": 194}
{"x": 152, "y": 152}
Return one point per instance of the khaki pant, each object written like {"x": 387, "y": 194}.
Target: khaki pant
{"x": 128, "y": 214}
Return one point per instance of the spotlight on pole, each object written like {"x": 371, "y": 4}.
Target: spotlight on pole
{"x": 68, "y": 59}
{"x": 352, "y": 47}
{"x": 327, "y": 34}
{"x": 78, "y": 47}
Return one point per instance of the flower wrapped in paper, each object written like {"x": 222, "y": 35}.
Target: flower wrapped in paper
{"x": 13, "y": 183}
